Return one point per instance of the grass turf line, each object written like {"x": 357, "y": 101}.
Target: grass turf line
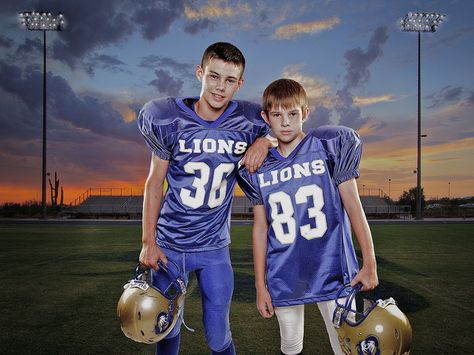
{"x": 60, "y": 286}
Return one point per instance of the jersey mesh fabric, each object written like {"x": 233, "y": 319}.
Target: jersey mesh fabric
{"x": 203, "y": 157}
{"x": 310, "y": 254}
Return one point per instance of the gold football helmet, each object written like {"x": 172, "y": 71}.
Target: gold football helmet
{"x": 148, "y": 313}
{"x": 381, "y": 329}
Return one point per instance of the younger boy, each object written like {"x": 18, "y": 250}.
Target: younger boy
{"x": 303, "y": 195}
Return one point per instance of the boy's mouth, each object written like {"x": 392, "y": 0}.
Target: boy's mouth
{"x": 218, "y": 97}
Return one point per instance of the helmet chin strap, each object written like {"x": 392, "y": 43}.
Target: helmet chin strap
{"x": 342, "y": 311}
{"x": 181, "y": 316}
{"x": 183, "y": 286}
{"x": 163, "y": 320}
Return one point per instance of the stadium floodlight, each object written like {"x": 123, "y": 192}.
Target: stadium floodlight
{"x": 420, "y": 22}
{"x": 42, "y": 21}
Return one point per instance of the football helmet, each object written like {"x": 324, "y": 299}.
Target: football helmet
{"x": 381, "y": 329}
{"x": 148, "y": 313}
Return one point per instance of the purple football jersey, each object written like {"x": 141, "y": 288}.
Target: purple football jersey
{"x": 310, "y": 254}
{"x": 203, "y": 157}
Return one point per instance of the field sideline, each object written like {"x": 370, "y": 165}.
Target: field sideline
{"x": 61, "y": 283}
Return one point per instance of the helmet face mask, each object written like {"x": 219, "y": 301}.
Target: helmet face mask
{"x": 380, "y": 329}
{"x": 148, "y": 313}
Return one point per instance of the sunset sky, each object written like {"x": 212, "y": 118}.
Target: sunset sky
{"x": 358, "y": 68}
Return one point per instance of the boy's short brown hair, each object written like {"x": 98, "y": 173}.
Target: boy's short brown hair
{"x": 284, "y": 93}
{"x": 224, "y": 51}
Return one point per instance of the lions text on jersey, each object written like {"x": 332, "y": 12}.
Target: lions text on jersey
{"x": 203, "y": 155}
{"x": 310, "y": 254}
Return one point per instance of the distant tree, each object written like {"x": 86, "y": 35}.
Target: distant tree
{"x": 25, "y": 209}
{"x": 409, "y": 198}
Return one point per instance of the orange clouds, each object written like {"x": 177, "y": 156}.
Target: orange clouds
{"x": 318, "y": 91}
{"x": 395, "y": 158}
{"x": 364, "y": 101}
{"x": 215, "y": 9}
{"x": 127, "y": 113}
{"x": 295, "y": 29}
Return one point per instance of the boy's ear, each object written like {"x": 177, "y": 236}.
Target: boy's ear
{"x": 305, "y": 113}
{"x": 199, "y": 72}
{"x": 265, "y": 117}
{"x": 240, "y": 83}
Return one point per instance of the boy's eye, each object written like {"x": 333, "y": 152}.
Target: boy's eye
{"x": 215, "y": 77}
{"x": 231, "y": 81}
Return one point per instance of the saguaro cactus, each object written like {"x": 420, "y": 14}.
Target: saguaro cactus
{"x": 55, "y": 193}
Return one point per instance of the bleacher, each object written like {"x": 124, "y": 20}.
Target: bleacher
{"x": 110, "y": 202}
{"x": 111, "y": 205}
{"x": 376, "y": 206}
{"x": 242, "y": 207}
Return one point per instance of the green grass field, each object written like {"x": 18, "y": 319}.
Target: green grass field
{"x": 60, "y": 286}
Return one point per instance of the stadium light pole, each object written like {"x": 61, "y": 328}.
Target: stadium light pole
{"x": 420, "y": 22}
{"x": 42, "y": 21}
{"x": 389, "y": 196}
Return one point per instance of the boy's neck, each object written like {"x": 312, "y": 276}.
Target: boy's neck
{"x": 285, "y": 149}
{"x": 206, "y": 112}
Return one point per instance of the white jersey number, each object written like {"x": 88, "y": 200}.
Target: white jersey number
{"x": 282, "y": 212}
{"x": 218, "y": 185}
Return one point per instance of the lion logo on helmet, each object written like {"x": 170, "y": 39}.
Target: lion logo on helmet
{"x": 368, "y": 346}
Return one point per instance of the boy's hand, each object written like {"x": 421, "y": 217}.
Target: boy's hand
{"x": 264, "y": 303}
{"x": 150, "y": 254}
{"x": 256, "y": 154}
{"x": 367, "y": 276}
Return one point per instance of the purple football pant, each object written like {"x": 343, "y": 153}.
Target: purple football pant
{"x": 216, "y": 282}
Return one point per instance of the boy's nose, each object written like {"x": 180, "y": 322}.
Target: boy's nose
{"x": 220, "y": 85}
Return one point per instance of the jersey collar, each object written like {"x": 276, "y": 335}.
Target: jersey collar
{"x": 209, "y": 124}
{"x": 278, "y": 156}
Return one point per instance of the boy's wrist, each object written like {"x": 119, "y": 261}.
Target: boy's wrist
{"x": 269, "y": 142}
{"x": 370, "y": 263}
{"x": 266, "y": 140}
{"x": 148, "y": 241}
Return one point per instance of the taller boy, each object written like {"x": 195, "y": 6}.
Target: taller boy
{"x": 197, "y": 143}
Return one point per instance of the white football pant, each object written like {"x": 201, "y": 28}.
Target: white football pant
{"x": 291, "y": 321}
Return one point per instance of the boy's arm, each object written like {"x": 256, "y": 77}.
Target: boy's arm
{"x": 351, "y": 201}
{"x": 257, "y": 152}
{"x": 259, "y": 243}
{"x": 152, "y": 198}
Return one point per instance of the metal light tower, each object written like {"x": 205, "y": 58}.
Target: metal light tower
{"x": 42, "y": 21}
{"x": 389, "y": 195}
{"x": 420, "y": 22}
